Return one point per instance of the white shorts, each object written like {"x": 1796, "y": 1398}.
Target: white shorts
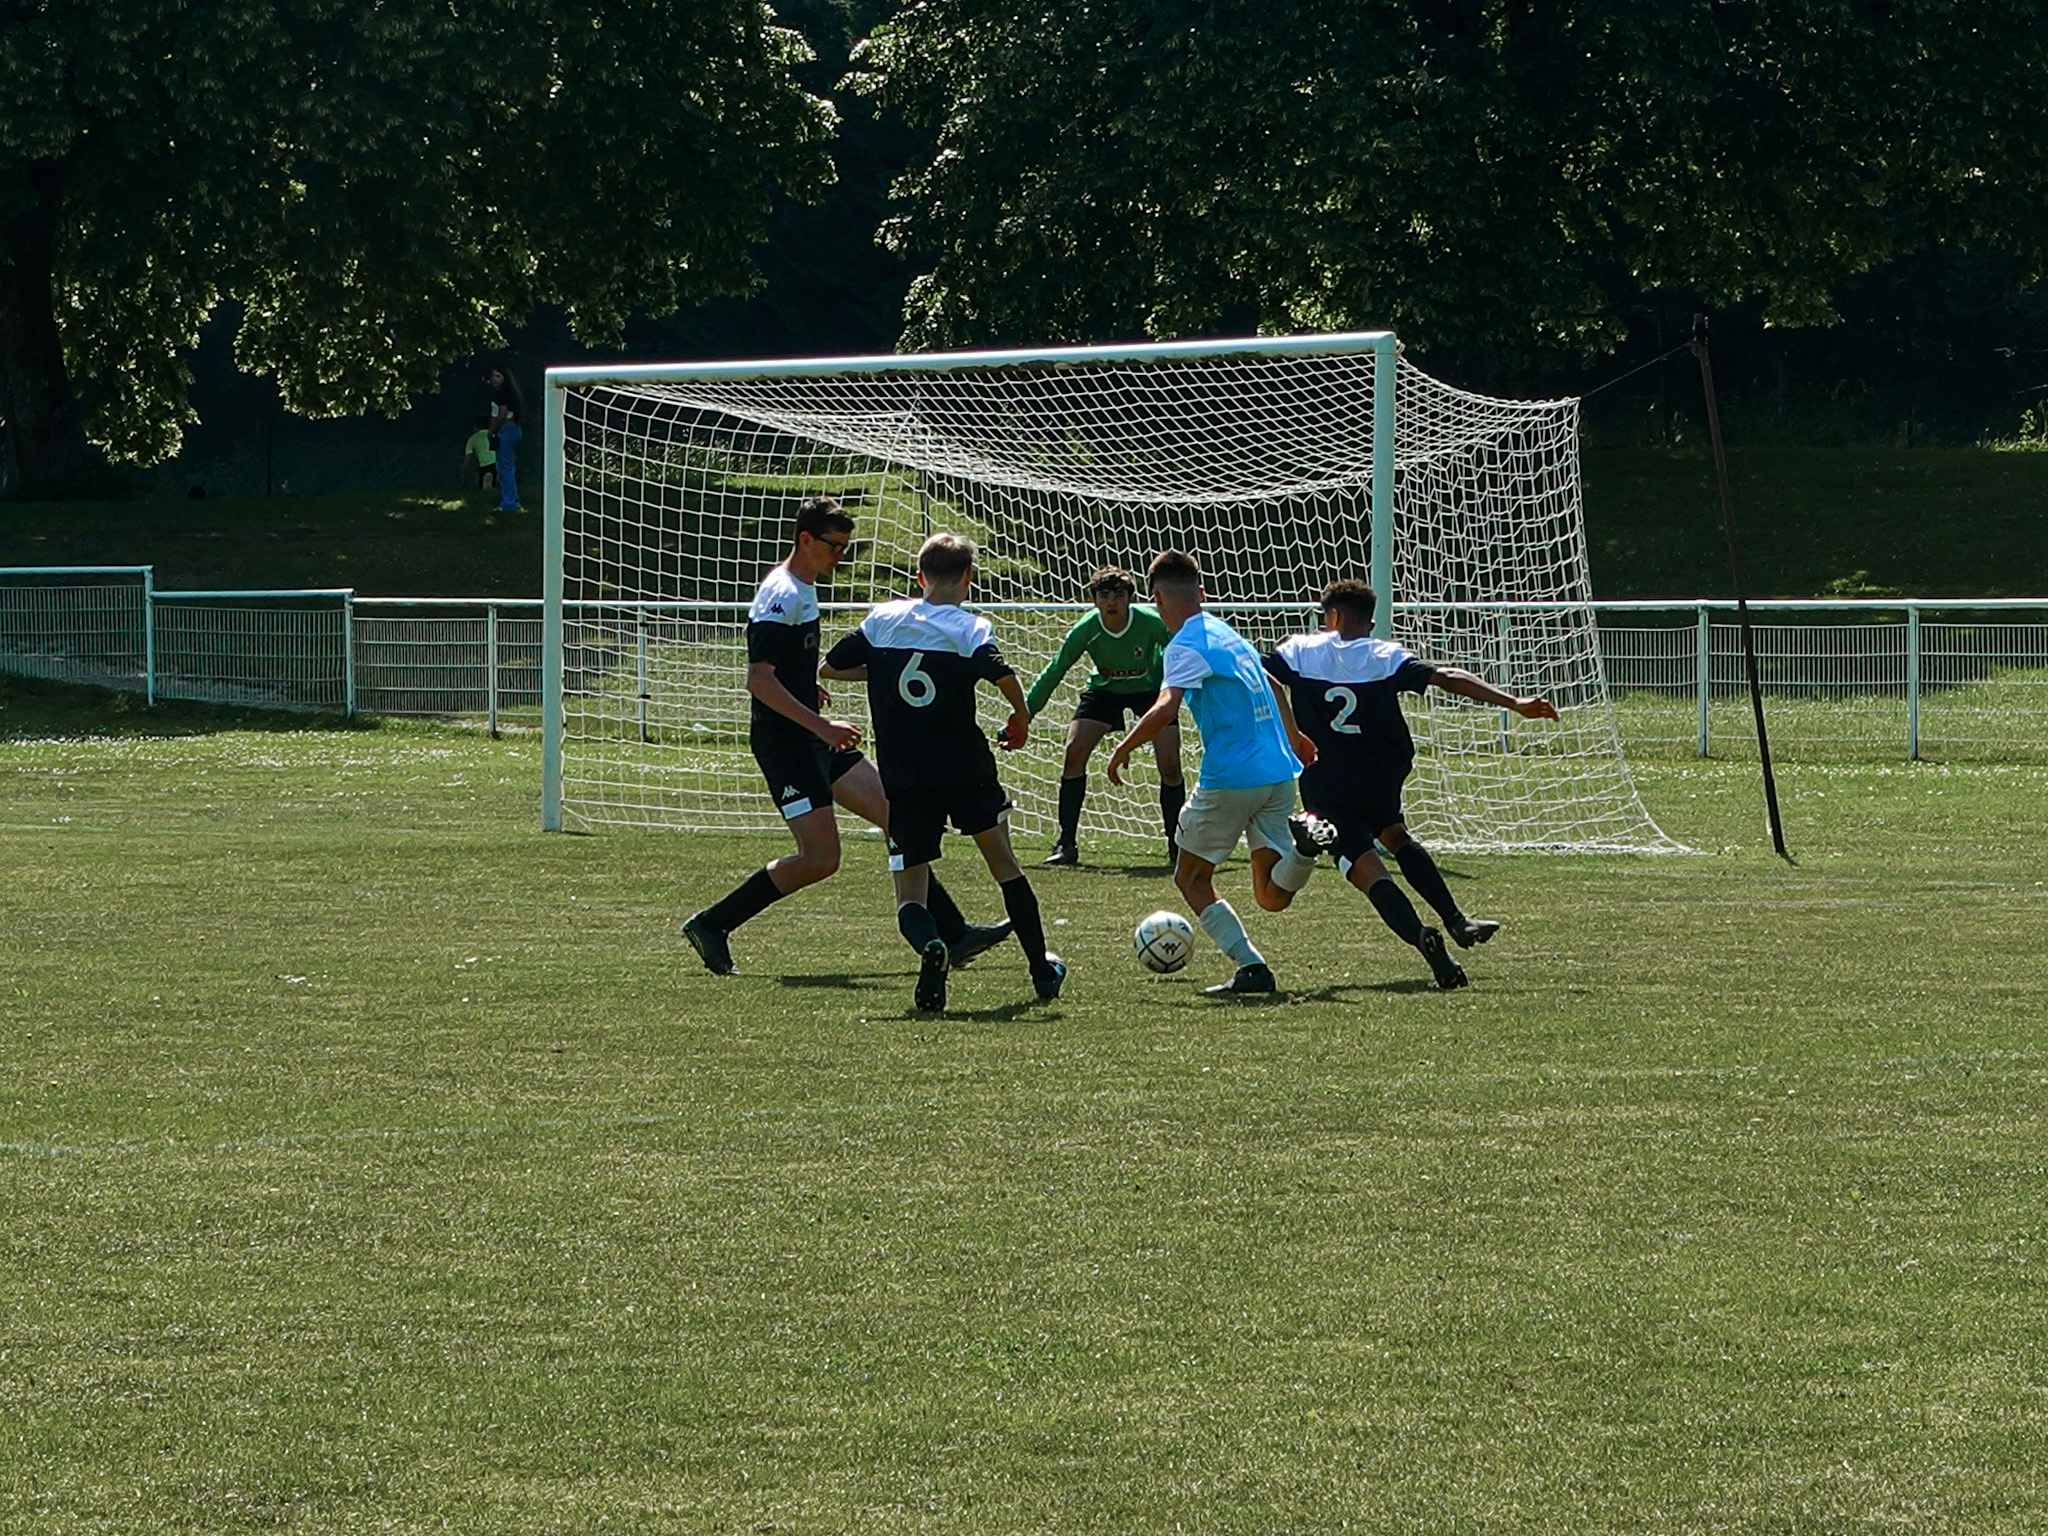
{"x": 1214, "y": 819}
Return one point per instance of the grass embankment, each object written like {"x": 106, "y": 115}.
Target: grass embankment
{"x": 1862, "y": 520}
{"x": 375, "y": 1161}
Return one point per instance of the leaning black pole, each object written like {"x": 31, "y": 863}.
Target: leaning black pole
{"x": 1756, "y": 687}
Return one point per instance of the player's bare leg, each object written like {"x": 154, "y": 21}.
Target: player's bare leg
{"x": 1398, "y": 913}
{"x": 1428, "y": 880}
{"x": 816, "y": 858}
{"x": 1048, "y": 971}
{"x": 1196, "y": 878}
{"x": 860, "y": 790}
{"x": 1082, "y": 739}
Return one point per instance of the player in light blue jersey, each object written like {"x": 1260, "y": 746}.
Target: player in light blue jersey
{"x": 1251, "y": 756}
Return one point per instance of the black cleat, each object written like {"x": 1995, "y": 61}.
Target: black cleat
{"x": 1449, "y": 974}
{"x": 710, "y": 944}
{"x": 1312, "y": 835}
{"x": 1473, "y": 930}
{"x": 1048, "y": 981}
{"x": 979, "y": 939}
{"x": 1172, "y": 854}
{"x": 934, "y": 962}
{"x": 1249, "y": 979}
{"x": 1063, "y": 853}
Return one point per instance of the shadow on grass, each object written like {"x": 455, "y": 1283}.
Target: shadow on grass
{"x": 1337, "y": 994}
{"x": 32, "y": 709}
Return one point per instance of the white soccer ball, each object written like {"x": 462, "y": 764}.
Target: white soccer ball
{"x": 1164, "y": 941}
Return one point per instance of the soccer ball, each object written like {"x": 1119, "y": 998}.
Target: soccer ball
{"x": 1164, "y": 941}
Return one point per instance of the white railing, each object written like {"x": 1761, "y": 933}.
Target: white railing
{"x": 1888, "y": 676}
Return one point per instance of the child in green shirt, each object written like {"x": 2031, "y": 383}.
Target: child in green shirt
{"x": 1123, "y": 643}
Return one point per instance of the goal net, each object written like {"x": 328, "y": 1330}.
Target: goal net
{"x": 1280, "y": 464}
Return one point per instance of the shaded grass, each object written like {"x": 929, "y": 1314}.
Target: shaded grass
{"x": 1861, "y": 519}
{"x": 375, "y": 1160}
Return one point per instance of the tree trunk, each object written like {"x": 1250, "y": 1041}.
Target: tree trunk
{"x": 46, "y": 446}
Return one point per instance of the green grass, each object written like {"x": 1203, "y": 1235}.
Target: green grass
{"x": 1864, "y": 519}
{"x": 375, "y": 1161}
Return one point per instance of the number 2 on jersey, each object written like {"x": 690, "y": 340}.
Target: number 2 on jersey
{"x": 1341, "y": 721}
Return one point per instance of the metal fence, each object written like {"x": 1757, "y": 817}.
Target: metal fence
{"x": 1873, "y": 677}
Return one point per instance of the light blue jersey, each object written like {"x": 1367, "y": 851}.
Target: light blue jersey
{"x": 1243, "y": 743}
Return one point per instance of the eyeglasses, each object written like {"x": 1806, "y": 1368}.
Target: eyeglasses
{"x": 838, "y": 547}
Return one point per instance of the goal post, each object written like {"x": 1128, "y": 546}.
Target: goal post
{"x": 1280, "y": 463}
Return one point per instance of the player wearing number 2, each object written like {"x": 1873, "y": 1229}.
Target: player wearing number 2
{"x": 808, "y": 760}
{"x": 921, "y": 658}
{"x": 1346, "y": 689}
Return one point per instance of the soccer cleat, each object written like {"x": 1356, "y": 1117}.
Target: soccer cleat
{"x": 1449, "y": 974}
{"x": 979, "y": 939}
{"x": 1312, "y": 835}
{"x": 1249, "y": 979}
{"x": 1064, "y": 853}
{"x": 1047, "y": 982}
{"x": 710, "y": 944}
{"x": 933, "y": 964}
{"x": 1172, "y": 854}
{"x": 1473, "y": 930}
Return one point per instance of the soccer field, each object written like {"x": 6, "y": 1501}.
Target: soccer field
{"x": 373, "y": 1161}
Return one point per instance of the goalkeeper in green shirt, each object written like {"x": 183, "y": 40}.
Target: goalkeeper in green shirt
{"x": 1123, "y": 644}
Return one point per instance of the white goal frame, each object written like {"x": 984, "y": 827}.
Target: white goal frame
{"x": 1373, "y": 476}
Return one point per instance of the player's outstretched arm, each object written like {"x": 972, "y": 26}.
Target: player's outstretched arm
{"x": 1164, "y": 711}
{"x": 1304, "y": 748}
{"x": 1050, "y": 675}
{"x": 1470, "y": 685}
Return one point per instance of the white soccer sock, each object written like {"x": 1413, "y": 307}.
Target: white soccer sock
{"x": 1292, "y": 872}
{"x": 1221, "y": 924}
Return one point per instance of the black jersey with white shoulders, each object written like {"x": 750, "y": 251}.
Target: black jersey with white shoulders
{"x": 923, "y": 661}
{"x": 782, "y": 630}
{"x": 1346, "y": 698}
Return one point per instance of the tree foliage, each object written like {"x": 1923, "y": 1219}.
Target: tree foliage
{"x": 381, "y": 183}
{"x": 1472, "y": 172}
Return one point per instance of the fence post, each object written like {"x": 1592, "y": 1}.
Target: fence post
{"x": 1706, "y": 670}
{"x": 640, "y": 634}
{"x": 1913, "y": 681}
{"x": 491, "y": 667}
{"x": 348, "y": 653}
{"x": 149, "y": 635}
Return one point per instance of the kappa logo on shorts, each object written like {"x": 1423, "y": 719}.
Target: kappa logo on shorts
{"x": 789, "y": 790}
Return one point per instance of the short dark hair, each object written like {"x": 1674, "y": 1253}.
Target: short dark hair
{"x": 1174, "y": 569}
{"x": 1112, "y": 578}
{"x": 1354, "y": 597}
{"x": 480, "y": 422}
{"x": 944, "y": 556}
{"x": 820, "y": 515}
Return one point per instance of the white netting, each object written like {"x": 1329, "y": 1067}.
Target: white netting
{"x": 679, "y": 492}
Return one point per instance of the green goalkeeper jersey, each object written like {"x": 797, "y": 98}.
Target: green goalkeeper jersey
{"x": 1125, "y": 663}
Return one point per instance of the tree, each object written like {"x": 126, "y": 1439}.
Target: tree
{"x": 1499, "y": 173}
{"x": 381, "y": 183}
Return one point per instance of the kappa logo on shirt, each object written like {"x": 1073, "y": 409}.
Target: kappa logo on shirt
{"x": 776, "y": 608}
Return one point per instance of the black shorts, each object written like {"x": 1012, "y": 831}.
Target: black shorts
{"x": 918, "y": 817}
{"x": 1106, "y": 708}
{"x": 1359, "y": 808}
{"x": 800, "y": 770}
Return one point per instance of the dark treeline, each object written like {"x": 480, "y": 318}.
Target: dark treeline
{"x": 1538, "y": 194}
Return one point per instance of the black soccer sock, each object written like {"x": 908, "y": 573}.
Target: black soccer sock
{"x": 1428, "y": 881}
{"x": 1021, "y": 902}
{"x": 1171, "y": 798}
{"x": 945, "y": 915}
{"x": 1072, "y": 792}
{"x": 1395, "y": 910}
{"x": 915, "y": 923}
{"x": 755, "y": 895}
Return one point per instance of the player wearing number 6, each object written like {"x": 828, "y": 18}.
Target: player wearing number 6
{"x": 1346, "y": 689}
{"x": 921, "y": 659}
{"x": 808, "y": 760}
